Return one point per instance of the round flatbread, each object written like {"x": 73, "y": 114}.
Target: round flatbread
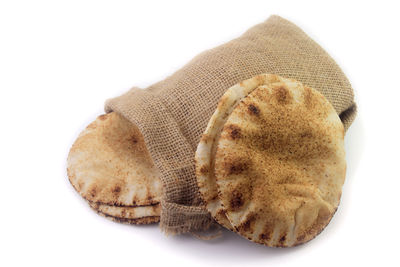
{"x": 128, "y": 212}
{"x": 205, "y": 153}
{"x": 129, "y": 215}
{"x": 279, "y": 162}
{"x": 137, "y": 221}
{"x": 109, "y": 164}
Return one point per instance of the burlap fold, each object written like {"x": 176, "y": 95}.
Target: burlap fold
{"x": 173, "y": 113}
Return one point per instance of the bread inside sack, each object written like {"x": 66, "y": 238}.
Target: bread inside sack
{"x": 172, "y": 114}
{"x": 110, "y": 167}
{"x": 272, "y": 161}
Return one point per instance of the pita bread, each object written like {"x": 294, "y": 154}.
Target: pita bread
{"x": 206, "y": 149}
{"x": 143, "y": 220}
{"x": 109, "y": 164}
{"x": 128, "y": 212}
{"x": 279, "y": 161}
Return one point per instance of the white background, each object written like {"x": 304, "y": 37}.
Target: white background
{"x": 60, "y": 60}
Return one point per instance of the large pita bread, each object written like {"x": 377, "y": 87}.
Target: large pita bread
{"x": 277, "y": 160}
{"x": 109, "y": 164}
{"x": 205, "y": 153}
{"x": 143, "y": 220}
{"x": 128, "y": 212}
{"x": 130, "y": 215}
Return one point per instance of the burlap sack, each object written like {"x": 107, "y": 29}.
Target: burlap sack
{"x": 172, "y": 114}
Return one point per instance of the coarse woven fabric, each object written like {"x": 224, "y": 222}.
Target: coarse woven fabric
{"x": 173, "y": 113}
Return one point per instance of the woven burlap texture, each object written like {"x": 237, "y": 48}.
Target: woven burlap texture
{"x": 172, "y": 114}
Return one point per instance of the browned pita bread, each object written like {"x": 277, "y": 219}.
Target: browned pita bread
{"x": 143, "y": 220}
{"x": 205, "y": 153}
{"x": 279, "y": 160}
{"x": 128, "y": 212}
{"x": 109, "y": 164}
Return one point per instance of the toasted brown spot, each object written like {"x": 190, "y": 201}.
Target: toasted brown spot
{"x": 281, "y": 242}
{"x": 253, "y": 109}
{"x": 204, "y": 169}
{"x": 306, "y": 134}
{"x": 234, "y": 131}
{"x": 247, "y": 226}
{"x": 265, "y": 236}
{"x": 93, "y": 192}
{"x": 300, "y": 238}
{"x": 116, "y": 189}
{"x": 221, "y": 212}
{"x": 282, "y": 94}
{"x": 134, "y": 139}
{"x": 237, "y": 167}
{"x": 236, "y": 200}
{"x": 214, "y": 197}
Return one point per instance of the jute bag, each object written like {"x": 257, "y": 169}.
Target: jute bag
{"x": 172, "y": 114}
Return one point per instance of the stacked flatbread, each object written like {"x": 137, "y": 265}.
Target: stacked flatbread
{"x": 271, "y": 162}
{"x": 110, "y": 167}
